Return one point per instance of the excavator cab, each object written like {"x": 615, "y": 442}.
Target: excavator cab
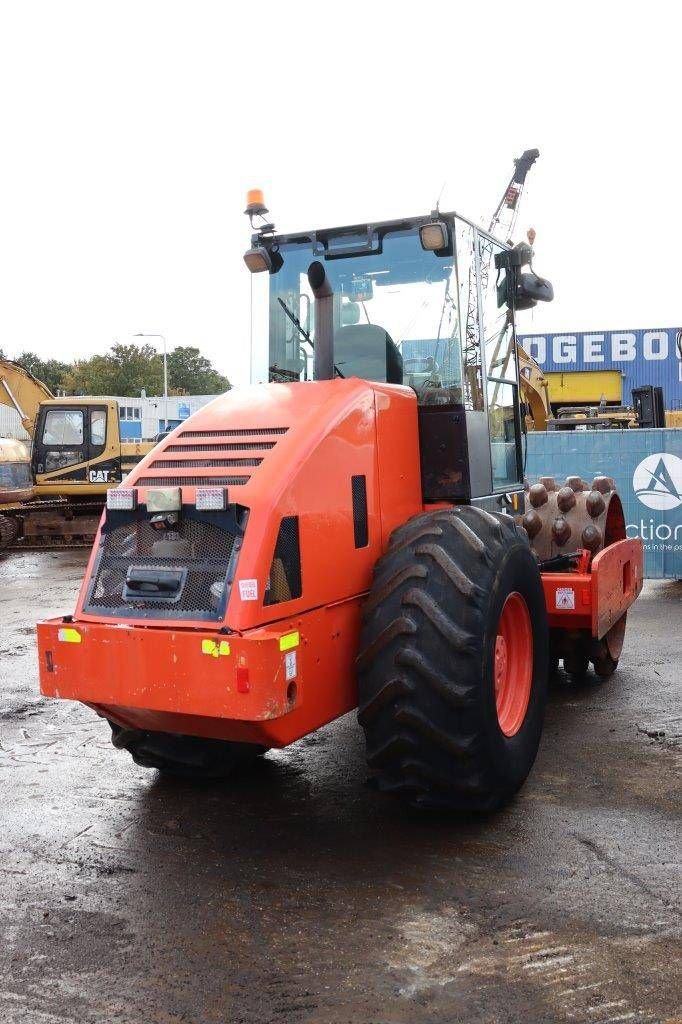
{"x": 76, "y": 456}
{"x": 70, "y": 436}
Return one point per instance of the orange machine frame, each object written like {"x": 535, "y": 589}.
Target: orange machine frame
{"x": 270, "y": 674}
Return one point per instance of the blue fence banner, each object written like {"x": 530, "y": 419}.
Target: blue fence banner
{"x": 647, "y": 468}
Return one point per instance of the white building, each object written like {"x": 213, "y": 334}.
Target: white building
{"x": 141, "y": 418}
{"x": 144, "y": 418}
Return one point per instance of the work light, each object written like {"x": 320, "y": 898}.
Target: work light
{"x": 211, "y": 499}
{"x": 433, "y": 236}
{"x": 258, "y": 259}
{"x": 164, "y": 499}
{"x": 123, "y": 499}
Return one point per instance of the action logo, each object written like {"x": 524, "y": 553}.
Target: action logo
{"x": 657, "y": 481}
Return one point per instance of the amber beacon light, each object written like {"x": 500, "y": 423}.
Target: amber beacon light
{"x": 255, "y": 203}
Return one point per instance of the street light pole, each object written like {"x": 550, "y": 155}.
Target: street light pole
{"x": 141, "y": 334}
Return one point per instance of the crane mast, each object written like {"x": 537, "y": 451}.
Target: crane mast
{"x": 501, "y": 225}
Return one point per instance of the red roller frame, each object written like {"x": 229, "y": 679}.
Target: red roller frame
{"x": 595, "y": 596}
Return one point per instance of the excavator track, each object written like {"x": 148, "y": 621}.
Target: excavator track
{"x": 51, "y": 543}
{"x": 49, "y": 525}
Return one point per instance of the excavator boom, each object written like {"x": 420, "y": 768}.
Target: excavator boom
{"x": 21, "y": 391}
{"x": 534, "y": 389}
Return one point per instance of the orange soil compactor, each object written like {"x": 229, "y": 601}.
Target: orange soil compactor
{"x": 354, "y": 533}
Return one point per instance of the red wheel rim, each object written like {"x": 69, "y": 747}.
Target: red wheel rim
{"x": 513, "y": 664}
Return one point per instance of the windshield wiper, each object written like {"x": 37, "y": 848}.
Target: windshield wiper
{"x": 281, "y": 375}
{"x": 301, "y": 329}
{"x": 296, "y": 322}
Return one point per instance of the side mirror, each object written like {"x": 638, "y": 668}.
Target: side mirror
{"x": 531, "y": 289}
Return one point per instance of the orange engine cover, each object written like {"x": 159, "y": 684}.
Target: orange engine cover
{"x": 282, "y": 450}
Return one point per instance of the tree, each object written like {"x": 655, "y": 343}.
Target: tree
{"x": 134, "y": 367}
{"x": 125, "y": 370}
{"x": 191, "y": 373}
{"x": 50, "y": 371}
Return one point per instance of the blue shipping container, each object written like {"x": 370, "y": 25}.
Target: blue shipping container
{"x": 647, "y": 468}
{"x": 648, "y": 356}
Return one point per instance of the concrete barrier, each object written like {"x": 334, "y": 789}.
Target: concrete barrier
{"x": 647, "y": 468}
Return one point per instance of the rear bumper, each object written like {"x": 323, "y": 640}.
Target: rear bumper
{"x": 269, "y": 685}
{"x": 597, "y": 599}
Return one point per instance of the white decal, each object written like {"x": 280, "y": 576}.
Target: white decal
{"x": 616, "y": 347}
{"x": 657, "y": 481}
{"x": 536, "y": 348}
{"x": 565, "y": 597}
{"x": 290, "y": 665}
{"x": 655, "y": 345}
{"x": 248, "y": 590}
{"x": 99, "y": 476}
{"x": 563, "y": 349}
{"x": 623, "y": 347}
{"x": 592, "y": 348}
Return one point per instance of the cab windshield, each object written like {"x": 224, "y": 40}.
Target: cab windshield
{"x": 395, "y": 304}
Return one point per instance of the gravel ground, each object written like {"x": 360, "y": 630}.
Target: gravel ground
{"x": 300, "y": 894}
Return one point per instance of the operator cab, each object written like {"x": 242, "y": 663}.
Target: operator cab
{"x": 69, "y": 436}
{"x": 423, "y": 302}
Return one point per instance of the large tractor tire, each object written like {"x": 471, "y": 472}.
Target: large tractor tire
{"x": 188, "y": 757}
{"x": 453, "y": 667}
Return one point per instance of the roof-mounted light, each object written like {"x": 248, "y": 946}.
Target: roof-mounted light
{"x": 255, "y": 207}
{"x": 434, "y": 236}
{"x": 255, "y": 203}
{"x": 122, "y": 499}
{"x": 258, "y": 259}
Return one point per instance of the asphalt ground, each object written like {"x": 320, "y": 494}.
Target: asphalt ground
{"x": 298, "y": 893}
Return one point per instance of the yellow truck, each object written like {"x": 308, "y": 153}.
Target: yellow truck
{"x": 76, "y": 456}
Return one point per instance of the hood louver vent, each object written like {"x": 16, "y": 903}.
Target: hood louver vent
{"x": 238, "y": 446}
{"x": 204, "y": 463}
{"x": 191, "y": 481}
{"x": 202, "y": 449}
{"x": 241, "y": 432}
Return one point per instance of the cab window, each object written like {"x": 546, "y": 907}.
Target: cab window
{"x": 98, "y": 427}
{"x": 62, "y": 459}
{"x": 63, "y": 426}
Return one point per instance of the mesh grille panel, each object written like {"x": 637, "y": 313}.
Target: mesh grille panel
{"x": 285, "y": 570}
{"x": 235, "y": 446}
{"x": 241, "y": 432}
{"x": 189, "y": 481}
{"x": 202, "y": 549}
{"x": 203, "y": 463}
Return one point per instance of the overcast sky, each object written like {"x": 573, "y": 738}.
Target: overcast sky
{"x": 130, "y": 132}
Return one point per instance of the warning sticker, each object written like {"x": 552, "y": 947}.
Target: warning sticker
{"x": 214, "y": 648}
{"x": 290, "y": 665}
{"x": 288, "y": 641}
{"x": 565, "y": 597}
{"x": 248, "y": 590}
{"x": 69, "y": 636}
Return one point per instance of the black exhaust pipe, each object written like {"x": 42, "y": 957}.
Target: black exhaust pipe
{"x": 323, "y": 353}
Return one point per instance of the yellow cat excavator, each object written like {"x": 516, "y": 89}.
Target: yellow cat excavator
{"x": 55, "y": 494}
